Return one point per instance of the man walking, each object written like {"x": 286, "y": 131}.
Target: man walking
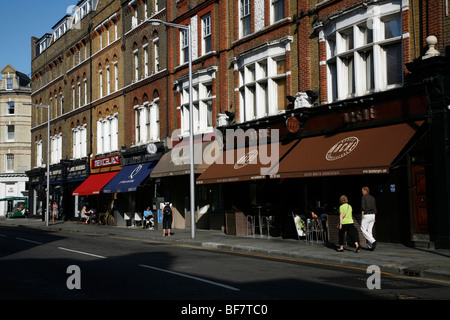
{"x": 369, "y": 209}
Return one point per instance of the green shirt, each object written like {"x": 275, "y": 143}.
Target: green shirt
{"x": 346, "y": 211}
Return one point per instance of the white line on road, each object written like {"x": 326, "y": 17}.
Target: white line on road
{"x": 29, "y": 240}
{"x": 81, "y": 252}
{"x": 191, "y": 277}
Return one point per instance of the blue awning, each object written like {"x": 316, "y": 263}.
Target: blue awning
{"x": 129, "y": 178}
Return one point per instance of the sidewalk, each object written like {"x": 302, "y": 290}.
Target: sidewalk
{"x": 392, "y": 258}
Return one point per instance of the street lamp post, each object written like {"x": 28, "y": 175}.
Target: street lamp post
{"x": 48, "y": 157}
{"x": 191, "y": 118}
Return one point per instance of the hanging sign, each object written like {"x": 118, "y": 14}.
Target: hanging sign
{"x": 293, "y": 124}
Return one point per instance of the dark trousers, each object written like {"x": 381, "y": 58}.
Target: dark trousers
{"x": 351, "y": 232}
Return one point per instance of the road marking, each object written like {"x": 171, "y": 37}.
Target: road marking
{"x": 29, "y": 240}
{"x": 191, "y": 277}
{"x": 81, "y": 252}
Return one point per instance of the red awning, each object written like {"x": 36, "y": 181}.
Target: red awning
{"x": 94, "y": 184}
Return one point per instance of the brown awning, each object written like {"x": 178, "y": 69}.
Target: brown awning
{"x": 249, "y": 163}
{"x": 365, "y": 151}
{"x": 166, "y": 167}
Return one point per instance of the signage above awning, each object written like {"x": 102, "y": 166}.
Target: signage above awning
{"x": 167, "y": 167}
{"x": 365, "y": 151}
{"x": 249, "y": 163}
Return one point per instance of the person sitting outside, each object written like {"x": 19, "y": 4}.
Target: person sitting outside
{"x": 148, "y": 218}
{"x": 85, "y": 215}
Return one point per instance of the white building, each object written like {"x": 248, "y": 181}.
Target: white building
{"x": 15, "y": 136}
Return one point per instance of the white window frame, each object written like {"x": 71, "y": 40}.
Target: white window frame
{"x": 136, "y": 64}
{"x": 146, "y": 60}
{"x": 116, "y": 76}
{"x": 39, "y": 160}
{"x": 79, "y": 142}
{"x": 100, "y": 74}
{"x": 156, "y": 53}
{"x": 10, "y": 105}
{"x": 245, "y": 18}
{"x": 10, "y": 132}
{"x": 79, "y": 95}
{"x": 147, "y": 122}
{"x": 202, "y": 102}
{"x": 9, "y": 84}
{"x": 259, "y": 80}
{"x": 206, "y": 33}
{"x": 108, "y": 80}
{"x": 56, "y": 148}
{"x": 368, "y": 53}
{"x": 9, "y": 162}
{"x": 108, "y": 134}
{"x": 85, "y": 92}
{"x": 184, "y": 46}
{"x": 61, "y": 100}
{"x": 274, "y": 10}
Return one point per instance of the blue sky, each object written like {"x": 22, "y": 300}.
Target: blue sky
{"x": 22, "y": 19}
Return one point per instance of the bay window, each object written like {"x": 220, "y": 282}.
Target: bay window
{"x": 262, "y": 81}
{"x": 364, "y": 52}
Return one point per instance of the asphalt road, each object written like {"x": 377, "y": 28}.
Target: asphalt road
{"x": 40, "y": 265}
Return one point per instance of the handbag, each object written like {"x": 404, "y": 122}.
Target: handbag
{"x": 342, "y": 219}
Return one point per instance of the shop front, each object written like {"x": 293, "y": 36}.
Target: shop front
{"x": 173, "y": 180}
{"x": 77, "y": 172}
{"x": 313, "y": 171}
{"x": 89, "y": 192}
{"x": 57, "y": 187}
{"x": 36, "y": 195}
{"x": 133, "y": 192}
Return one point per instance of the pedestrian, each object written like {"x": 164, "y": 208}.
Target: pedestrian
{"x": 369, "y": 209}
{"x": 346, "y": 225}
{"x": 54, "y": 211}
{"x": 148, "y": 218}
{"x": 167, "y": 218}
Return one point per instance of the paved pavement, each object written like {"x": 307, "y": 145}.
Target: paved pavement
{"x": 391, "y": 258}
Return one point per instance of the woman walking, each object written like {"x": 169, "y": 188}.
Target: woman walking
{"x": 346, "y": 224}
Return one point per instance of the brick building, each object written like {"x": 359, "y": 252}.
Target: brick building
{"x": 309, "y": 71}
{"x": 355, "y": 70}
{"x": 77, "y": 71}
